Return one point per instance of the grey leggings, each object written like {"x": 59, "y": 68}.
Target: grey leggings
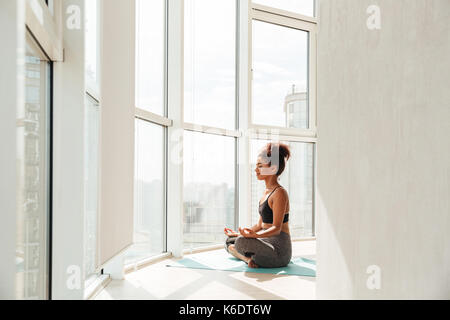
{"x": 272, "y": 252}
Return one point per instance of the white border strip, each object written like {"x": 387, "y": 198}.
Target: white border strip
{"x": 284, "y": 13}
{"x": 211, "y": 130}
{"x": 146, "y": 262}
{"x": 152, "y": 117}
{"x": 281, "y": 20}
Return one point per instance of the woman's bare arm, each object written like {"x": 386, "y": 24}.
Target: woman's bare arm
{"x": 257, "y": 226}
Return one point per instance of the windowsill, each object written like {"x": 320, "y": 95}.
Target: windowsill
{"x": 202, "y": 249}
{"x": 145, "y": 262}
{"x": 96, "y": 286}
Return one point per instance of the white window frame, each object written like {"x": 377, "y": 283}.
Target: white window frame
{"x": 44, "y": 247}
{"x": 92, "y": 278}
{"x": 92, "y": 89}
{"x": 237, "y": 133}
{"x": 45, "y": 24}
{"x": 173, "y": 121}
{"x": 166, "y": 123}
{"x": 265, "y": 132}
{"x": 296, "y": 21}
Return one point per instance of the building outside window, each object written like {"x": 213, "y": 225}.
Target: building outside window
{"x": 33, "y": 184}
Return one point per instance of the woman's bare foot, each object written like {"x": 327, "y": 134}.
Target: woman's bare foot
{"x": 252, "y": 264}
{"x": 233, "y": 251}
{"x": 249, "y": 261}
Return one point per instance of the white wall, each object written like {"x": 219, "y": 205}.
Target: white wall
{"x": 12, "y": 33}
{"x": 117, "y": 52}
{"x": 383, "y": 149}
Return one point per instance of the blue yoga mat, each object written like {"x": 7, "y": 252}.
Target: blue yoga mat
{"x": 221, "y": 260}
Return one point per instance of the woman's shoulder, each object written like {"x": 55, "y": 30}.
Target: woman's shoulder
{"x": 281, "y": 192}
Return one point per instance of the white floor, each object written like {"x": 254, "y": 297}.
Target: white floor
{"x": 160, "y": 282}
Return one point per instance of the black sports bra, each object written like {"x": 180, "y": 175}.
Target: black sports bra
{"x": 266, "y": 212}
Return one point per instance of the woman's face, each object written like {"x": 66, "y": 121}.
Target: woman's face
{"x": 263, "y": 170}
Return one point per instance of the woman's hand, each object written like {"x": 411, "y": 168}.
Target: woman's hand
{"x": 248, "y": 233}
{"x": 230, "y": 233}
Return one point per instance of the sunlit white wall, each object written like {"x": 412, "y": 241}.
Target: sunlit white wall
{"x": 383, "y": 155}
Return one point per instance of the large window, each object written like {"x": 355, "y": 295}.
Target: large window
{"x": 210, "y": 119}
{"x": 210, "y": 63}
{"x": 283, "y": 101}
{"x": 149, "y": 195}
{"x": 281, "y": 96}
{"x": 33, "y": 174}
{"x": 209, "y": 188}
{"x": 150, "y": 132}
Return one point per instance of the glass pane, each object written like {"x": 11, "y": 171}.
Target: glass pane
{"x": 297, "y": 179}
{"x": 209, "y": 188}
{"x": 91, "y": 161}
{"x": 150, "y": 62}
{"x": 149, "y": 203}
{"x": 91, "y": 40}
{"x": 33, "y": 165}
{"x": 280, "y": 76}
{"x": 210, "y": 66}
{"x": 304, "y": 7}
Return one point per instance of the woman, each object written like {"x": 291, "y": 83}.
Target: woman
{"x": 268, "y": 243}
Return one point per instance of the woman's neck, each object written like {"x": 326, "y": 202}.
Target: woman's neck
{"x": 272, "y": 183}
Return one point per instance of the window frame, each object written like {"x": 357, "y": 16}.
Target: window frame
{"x": 92, "y": 91}
{"x": 41, "y": 26}
{"x": 173, "y": 119}
{"x": 237, "y": 133}
{"x": 287, "y": 13}
{"x": 140, "y": 115}
{"x": 90, "y": 278}
{"x": 276, "y": 133}
{"x": 46, "y": 246}
{"x": 45, "y": 24}
{"x": 165, "y": 123}
{"x": 295, "y": 21}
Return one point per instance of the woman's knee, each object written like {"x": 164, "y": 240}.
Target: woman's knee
{"x": 240, "y": 242}
{"x": 229, "y": 242}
